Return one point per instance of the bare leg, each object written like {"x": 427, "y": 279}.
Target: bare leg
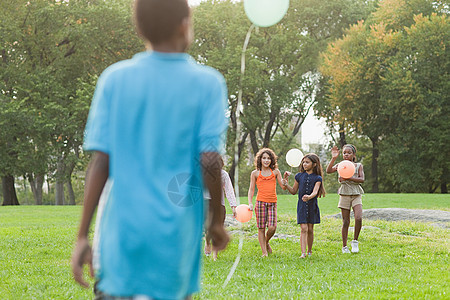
{"x": 270, "y": 232}
{"x": 303, "y": 238}
{"x": 310, "y": 237}
{"x": 345, "y": 224}
{"x": 357, "y": 209}
{"x": 207, "y": 247}
{"x": 262, "y": 240}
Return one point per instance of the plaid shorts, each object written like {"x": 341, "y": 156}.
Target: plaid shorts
{"x": 266, "y": 214}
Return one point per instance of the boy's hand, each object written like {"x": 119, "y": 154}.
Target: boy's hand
{"x": 334, "y": 152}
{"x": 233, "y": 208}
{"x": 82, "y": 254}
{"x": 218, "y": 236}
{"x": 250, "y": 206}
{"x": 286, "y": 174}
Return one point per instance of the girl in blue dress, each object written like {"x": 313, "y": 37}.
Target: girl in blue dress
{"x": 309, "y": 185}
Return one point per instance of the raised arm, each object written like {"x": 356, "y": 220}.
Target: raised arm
{"x": 251, "y": 189}
{"x": 331, "y": 168}
{"x": 96, "y": 177}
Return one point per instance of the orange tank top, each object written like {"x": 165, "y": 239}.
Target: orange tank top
{"x": 267, "y": 188}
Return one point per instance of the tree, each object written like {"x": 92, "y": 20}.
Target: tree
{"x": 417, "y": 87}
{"x": 371, "y": 76}
{"x": 280, "y": 79}
{"x": 50, "y": 48}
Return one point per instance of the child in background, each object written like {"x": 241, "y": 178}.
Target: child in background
{"x": 309, "y": 185}
{"x": 229, "y": 193}
{"x": 265, "y": 177}
{"x": 155, "y": 125}
{"x": 350, "y": 195}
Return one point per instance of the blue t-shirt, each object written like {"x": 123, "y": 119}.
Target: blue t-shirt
{"x": 307, "y": 212}
{"x": 154, "y": 115}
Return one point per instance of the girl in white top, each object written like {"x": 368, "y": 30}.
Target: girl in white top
{"x": 229, "y": 193}
{"x": 350, "y": 193}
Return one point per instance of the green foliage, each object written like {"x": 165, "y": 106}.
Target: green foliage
{"x": 51, "y": 53}
{"x": 279, "y": 84}
{"x": 387, "y": 79}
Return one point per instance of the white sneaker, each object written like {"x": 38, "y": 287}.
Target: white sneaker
{"x": 355, "y": 248}
{"x": 345, "y": 250}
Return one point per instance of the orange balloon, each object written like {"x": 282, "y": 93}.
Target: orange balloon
{"x": 243, "y": 213}
{"x": 346, "y": 169}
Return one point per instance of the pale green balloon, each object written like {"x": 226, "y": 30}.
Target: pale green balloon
{"x": 265, "y": 13}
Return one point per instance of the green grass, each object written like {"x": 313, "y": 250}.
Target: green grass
{"x": 398, "y": 260}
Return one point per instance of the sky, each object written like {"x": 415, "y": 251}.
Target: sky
{"x": 194, "y": 2}
{"x": 312, "y": 129}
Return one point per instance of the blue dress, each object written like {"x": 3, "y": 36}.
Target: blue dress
{"x": 307, "y": 212}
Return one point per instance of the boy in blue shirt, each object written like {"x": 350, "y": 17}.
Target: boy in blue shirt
{"x": 155, "y": 124}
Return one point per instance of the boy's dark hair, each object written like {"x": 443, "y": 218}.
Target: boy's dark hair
{"x": 157, "y": 20}
{"x": 273, "y": 157}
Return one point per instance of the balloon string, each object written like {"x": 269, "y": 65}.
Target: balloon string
{"x": 238, "y": 114}
{"x": 236, "y": 155}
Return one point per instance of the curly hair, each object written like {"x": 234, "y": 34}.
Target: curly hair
{"x": 273, "y": 157}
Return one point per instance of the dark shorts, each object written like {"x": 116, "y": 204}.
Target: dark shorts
{"x": 266, "y": 214}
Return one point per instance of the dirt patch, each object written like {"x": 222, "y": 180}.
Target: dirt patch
{"x": 405, "y": 214}
{"x": 438, "y": 218}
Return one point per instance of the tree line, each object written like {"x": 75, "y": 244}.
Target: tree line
{"x": 377, "y": 71}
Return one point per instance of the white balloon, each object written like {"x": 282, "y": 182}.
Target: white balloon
{"x": 294, "y": 157}
{"x": 265, "y": 13}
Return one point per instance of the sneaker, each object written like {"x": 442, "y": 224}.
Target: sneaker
{"x": 355, "y": 248}
{"x": 345, "y": 250}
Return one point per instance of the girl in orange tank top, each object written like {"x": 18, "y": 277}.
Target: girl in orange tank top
{"x": 265, "y": 177}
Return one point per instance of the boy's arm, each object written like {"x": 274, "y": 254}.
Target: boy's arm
{"x": 212, "y": 177}
{"x": 96, "y": 177}
{"x": 251, "y": 190}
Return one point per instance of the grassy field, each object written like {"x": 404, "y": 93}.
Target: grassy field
{"x": 398, "y": 260}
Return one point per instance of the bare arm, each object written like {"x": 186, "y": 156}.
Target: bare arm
{"x": 212, "y": 177}
{"x": 96, "y": 177}
{"x": 229, "y": 192}
{"x": 314, "y": 192}
{"x": 293, "y": 190}
{"x": 251, "y": 189}
{"x": 279, "y": 179}
{"x": 331, "y": 168}
{"x": 359, "y": 178}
